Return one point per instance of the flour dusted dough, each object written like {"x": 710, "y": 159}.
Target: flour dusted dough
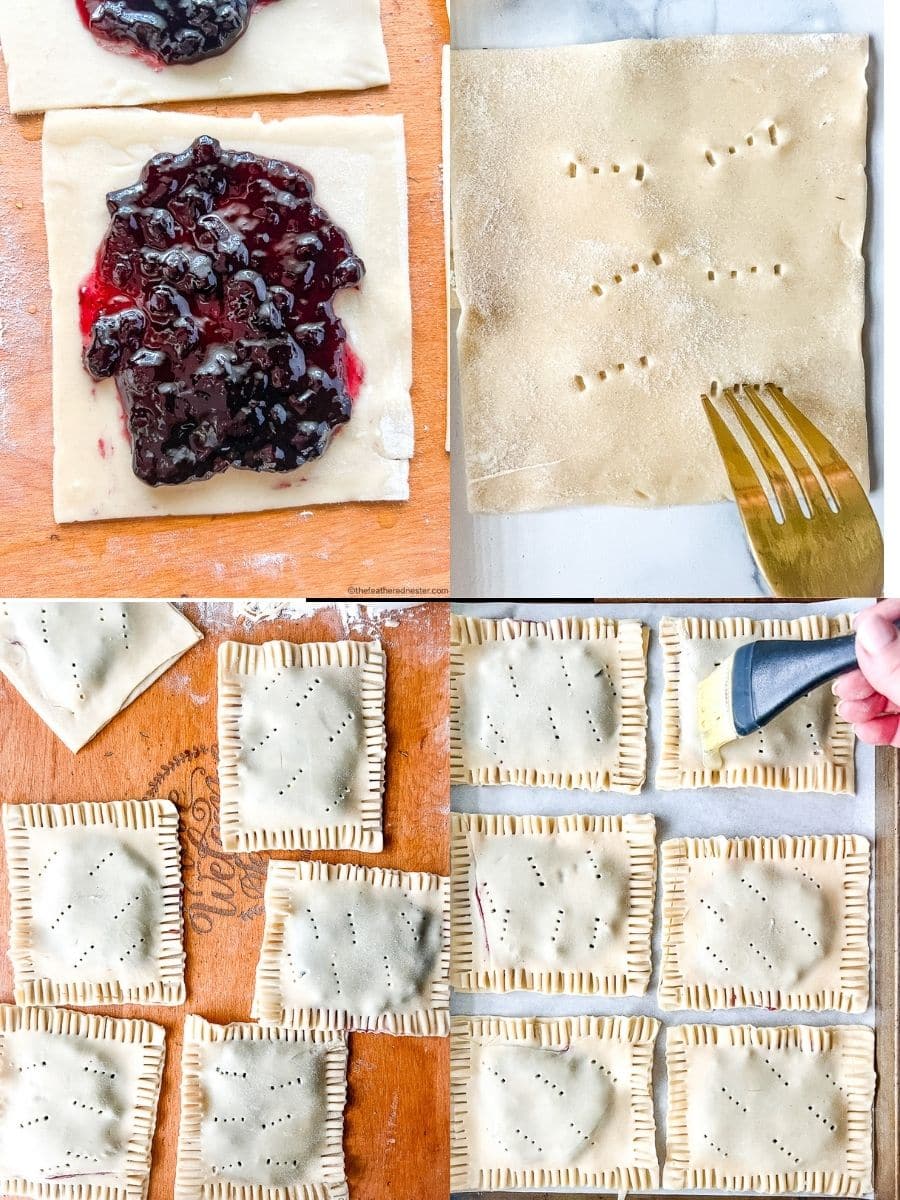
{"x": 548, "y": 703}
{"x": 772, "y": 1110}
{"x": 552, "y": 904}
{"x": 350, "y": 948}
{"x": 552, "y": 1103}
{"x": 301, "y": 745}
{"x": 635, "y": 220}
{"x": 95, "y": 894}
{"x": 359, "y": 166}
{"x": 777, "y": 923}
{"x": 262, "y": 1114}
{"x": 79, "y": 663}
{"x": 79, "y": 1104}
{"x": 291, "y": 46}
{"x": 808, "y": 748}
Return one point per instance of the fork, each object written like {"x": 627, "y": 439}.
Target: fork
{"x": 829, "y": 546}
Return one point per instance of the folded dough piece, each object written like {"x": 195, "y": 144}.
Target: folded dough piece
{"x": 351, "y": 948}
{"x": 552, "y": 1103}
{"x": 785, "y": 1109}
{"x": 262, "y": 1113}
{"x": 78, "y": 663}
{"x": 79, "y": 1104}
{"x": 548, "y": 703}
{"x": 766, "y": 922}
{"x": 552, "y": 904}
{"x": 634, "y": 222}
{"x": 290, "y": 46}
{"x": 359, "y": 168}
{"x": 808, "y": 748}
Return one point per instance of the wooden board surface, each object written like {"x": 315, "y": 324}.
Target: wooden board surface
{"x": 390, "y": 546}
{"x": 397, "y": 1129}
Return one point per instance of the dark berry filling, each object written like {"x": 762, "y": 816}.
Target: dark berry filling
{"x": 169, "y": 31}
{"x": 212, "y": 306}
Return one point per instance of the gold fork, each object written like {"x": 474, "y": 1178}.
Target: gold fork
{"x": 836, "y": 548}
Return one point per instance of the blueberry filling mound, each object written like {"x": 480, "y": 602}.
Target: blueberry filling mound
{"x": 212, "y": 306}
{"x": 171, "y": 31}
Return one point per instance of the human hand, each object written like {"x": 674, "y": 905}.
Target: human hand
{"x": 870, "y": 697}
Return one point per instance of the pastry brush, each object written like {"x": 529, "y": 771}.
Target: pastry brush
{"x": 762, "y": 679}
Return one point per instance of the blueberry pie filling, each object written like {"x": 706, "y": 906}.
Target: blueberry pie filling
{"x": 169, "y": 31}
{"x": 212, "y": 307}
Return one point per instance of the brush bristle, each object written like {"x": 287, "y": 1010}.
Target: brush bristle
{"x": 715, "y": 714}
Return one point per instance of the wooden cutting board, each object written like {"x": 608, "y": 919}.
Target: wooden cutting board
{"x": 397, "y": 1127}
{"x": 389, "y": 546}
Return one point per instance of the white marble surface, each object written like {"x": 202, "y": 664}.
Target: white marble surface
{"x": 690, "y": 551}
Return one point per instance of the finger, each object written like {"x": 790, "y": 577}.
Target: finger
{"x": 857, "y": 712}
{"x": 889, "y": 610}
{"x": 878, "y": 653}
{"x": 883, "y": 731}
{"x": 853, "y": 686}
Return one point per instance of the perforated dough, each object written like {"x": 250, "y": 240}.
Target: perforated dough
{"x": 262, "y": 1114}
{"x": 613, "y": 257}
{"x": 95, "y": 893}
{"x": 301, "y": 745}
{"x": 79, "y": 663}
{"x": 548, "y": 703}
{"x": 359, "y": 167}
{"x": 350, "y": 948}
{"x": 552, "y": 1103}
{"x": 777, "y": 923}
{"x": 79, "y": 1104}
{"x": 291, "y": 46}
{"x": 552, "y": 904}
{"x": 784, "y": 1109}
{"x": 808, "y": 748}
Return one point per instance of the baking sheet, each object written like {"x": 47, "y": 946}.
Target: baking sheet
{"x": 733, "y": 812}
{"x": 684, "y": 551}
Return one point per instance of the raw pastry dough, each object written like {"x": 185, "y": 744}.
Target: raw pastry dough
{"x": 79, "y": 1104}
{"x": 262, "y": 1114}
{"x": 766, "y": 922}
{"x": 301, "y": 745}
{"x": 543, "y": 1103}
{"x": 95, "y": 894}
{"x": 548, "y": 703}
{"x": 359, "y": 166}
{"x": 79, "y": 663}
{"x": 349, "y": 948}
{"x": 552, "y": 904}
{"x": 292, "y": 46}
{"x": 784, "y": 1109}
{"x": 809, "y": 748}
{"x": 619, "y": 245}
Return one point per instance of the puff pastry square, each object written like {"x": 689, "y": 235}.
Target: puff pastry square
{"x": 95, "y": 892}
{"x": 262, "y": 1114}
{"x": 552, "y": 904}
{"x": 301, "y": 745}
{"x": 552, "y": 1103}
{"x": 359, "y": 167}
{"x": 78, "y": 1097}
{"x": 786, "y": 1109}
{"x": 766, "y": 922}
{"x": 621, "y": 249}
{"x": 809, "y": 748}
{"x": 79, "y": 663}
{"x": 350, "y": 948}
{"x": 548, "y": 703}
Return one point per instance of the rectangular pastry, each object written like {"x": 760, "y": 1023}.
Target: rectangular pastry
{"x": 548, "y": 703}
{"x": 552, "y": 904}
{"x": 778, "y": 923}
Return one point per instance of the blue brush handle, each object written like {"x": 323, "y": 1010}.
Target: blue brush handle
{"x": 769, "y": 676}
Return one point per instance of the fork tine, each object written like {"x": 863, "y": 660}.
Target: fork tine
{"x": 809, "y": 484}
{"x": 741, "y": 475}
{"x": 785, "y": 494}
{"x": 822, "y": 451}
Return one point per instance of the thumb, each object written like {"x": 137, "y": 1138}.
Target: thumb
{"x": 878, "y": 652}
